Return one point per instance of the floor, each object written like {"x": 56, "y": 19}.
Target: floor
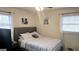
{"x": 17, "y": 48}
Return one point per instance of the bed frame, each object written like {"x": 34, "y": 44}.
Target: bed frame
{"x": 18, "y": 31}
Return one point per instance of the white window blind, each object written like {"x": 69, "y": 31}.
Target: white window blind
{"x": 70, "y": 23}
{"x": 5, "y": 20}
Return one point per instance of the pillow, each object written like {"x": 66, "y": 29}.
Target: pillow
{"x": 20, "y": 37}
{"x": 26, "y": 35}
{"x": 35, "y": 36}
{"x": 35, "y": 33}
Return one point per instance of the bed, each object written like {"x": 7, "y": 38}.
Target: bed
{"x": 40, "y": 44}
{"x": 37, "y": 44}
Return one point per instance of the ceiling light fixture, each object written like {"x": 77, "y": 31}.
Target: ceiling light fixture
{"x": 39, "y": 8}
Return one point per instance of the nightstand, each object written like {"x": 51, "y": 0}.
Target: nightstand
{"x": 15, "y": 47}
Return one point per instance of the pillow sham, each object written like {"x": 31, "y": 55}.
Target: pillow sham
{"x": 26, "y": 35}
{"x": 20, "y": 37}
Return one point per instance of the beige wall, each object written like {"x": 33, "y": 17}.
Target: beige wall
{"x": 54, "y": 16}
{"x": 17, "y": 14}
{"x": 53, "y": 29}
{"x": 71, "y": 40}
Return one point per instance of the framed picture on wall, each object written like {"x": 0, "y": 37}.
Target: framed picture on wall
{"x": 46, "y": 21}
{"x": 24, "y": 21}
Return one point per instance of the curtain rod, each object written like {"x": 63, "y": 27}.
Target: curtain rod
{"x": 5, "y": 11}
{"x": 70, "y": 13}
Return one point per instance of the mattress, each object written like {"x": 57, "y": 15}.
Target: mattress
{"x": 41, "y": 44}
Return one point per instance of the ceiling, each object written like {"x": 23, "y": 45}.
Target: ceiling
{"x": 32, "y": 9}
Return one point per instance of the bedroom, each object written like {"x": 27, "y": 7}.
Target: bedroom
{"x": 46, "y": 21}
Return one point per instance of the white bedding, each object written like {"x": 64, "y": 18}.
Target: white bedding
{"x": 41, "y": 44}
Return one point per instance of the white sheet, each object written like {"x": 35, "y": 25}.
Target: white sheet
{"x": 41, "y": 43}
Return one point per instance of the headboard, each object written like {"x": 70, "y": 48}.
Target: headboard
{"x": 18, "y": 31}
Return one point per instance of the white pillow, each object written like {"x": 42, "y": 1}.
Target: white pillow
{"x": 26, "y": 35}
{"x": 35, "y": 33}
{"x": 20, "y": 37}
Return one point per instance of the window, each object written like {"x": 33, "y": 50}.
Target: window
{"x": 70, "y": 23}
{"x": 5, "y": 21}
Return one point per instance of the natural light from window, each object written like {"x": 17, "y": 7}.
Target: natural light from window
{"x": 5, "y": 21}
{"x": 70, "y": 23}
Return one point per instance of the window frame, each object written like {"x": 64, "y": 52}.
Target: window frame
{"x": 10, "y": 21}
{"x": 76, "y": 14}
